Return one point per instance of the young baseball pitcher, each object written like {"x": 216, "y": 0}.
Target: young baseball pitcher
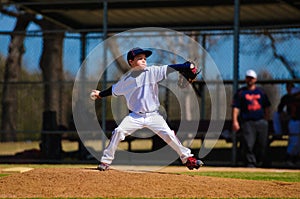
{"x": 139, "y": 86}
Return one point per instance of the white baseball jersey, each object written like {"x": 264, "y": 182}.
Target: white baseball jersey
{"x": 140, "y": 88}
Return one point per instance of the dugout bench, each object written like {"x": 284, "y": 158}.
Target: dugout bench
{"x": 157, "y": 142}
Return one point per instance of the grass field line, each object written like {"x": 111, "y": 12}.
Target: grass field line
{"x": 147, "y": 167}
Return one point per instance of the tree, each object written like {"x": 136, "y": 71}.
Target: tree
{"x": 52, "y": 69}
{"x": 54, "y": 103}
{"x": 121, "y": 63}
{"x": 285, "y": 62}
{"x": 11, "y": 76}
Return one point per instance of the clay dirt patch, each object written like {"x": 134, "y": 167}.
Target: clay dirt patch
{"x": 88, "y": 182}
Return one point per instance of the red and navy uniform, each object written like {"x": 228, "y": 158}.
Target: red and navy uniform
{"x": 254, "y": 126}
{"x": 251, "y": 103}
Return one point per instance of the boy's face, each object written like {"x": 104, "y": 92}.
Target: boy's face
{"x": 139, "y": 62}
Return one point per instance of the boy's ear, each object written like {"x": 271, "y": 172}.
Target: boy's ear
{"x": 130, "y": 61}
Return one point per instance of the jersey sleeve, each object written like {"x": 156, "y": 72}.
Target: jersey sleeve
{"x": 123, "y": 86}
{"x": 116, "y": 89}
{"x": 159, "y": 72}
{"x": 236, "y": 101}
{"x": 106, "y": 93}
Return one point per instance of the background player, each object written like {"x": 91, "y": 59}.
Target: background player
{"x": 250, "y": 113}
{"x": 293, "y": 148}
{"x": 281, "y": 117}
{"x": 139, "y": 86}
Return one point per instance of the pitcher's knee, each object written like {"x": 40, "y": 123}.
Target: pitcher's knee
{"x": 167, "y": 136}
{"x": 120, "y": 133}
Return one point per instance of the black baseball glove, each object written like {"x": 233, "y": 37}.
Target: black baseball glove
{"x": 188, "y": 75}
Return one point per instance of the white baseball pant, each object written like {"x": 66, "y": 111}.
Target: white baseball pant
{"x": 155, "y": 122}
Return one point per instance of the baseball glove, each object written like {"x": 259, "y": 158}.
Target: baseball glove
{"x": 187, "y": 75}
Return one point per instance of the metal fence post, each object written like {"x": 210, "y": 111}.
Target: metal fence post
{"x": 236, "y": 68}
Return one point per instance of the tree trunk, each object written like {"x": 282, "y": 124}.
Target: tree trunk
{"x": 54, "y": 108}
{"x": 11, "y": 76}
{"x": 121, "y": 63}
{"x": 52, "y": 69}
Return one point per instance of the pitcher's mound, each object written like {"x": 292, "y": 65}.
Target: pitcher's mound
{"x": 89, "y": 182}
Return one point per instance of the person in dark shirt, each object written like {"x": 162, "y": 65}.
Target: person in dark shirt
{"x": 250, "y": 115}
{"x": 293, "y": 148}
{"x": 281, "y": 117}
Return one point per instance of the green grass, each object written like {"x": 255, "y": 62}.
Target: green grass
{"x": 3, "y": 175}
{"x": 266, "y": 176}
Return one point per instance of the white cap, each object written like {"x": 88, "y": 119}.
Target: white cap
{"x": 251, "y": 73}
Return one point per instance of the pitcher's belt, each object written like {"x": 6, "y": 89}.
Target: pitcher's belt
{"x": 144, "y": 113}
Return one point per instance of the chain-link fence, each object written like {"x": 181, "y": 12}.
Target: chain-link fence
{"x": 273, "y": 54}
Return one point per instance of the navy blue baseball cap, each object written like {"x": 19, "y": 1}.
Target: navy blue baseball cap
{"x": 136, "y": 51}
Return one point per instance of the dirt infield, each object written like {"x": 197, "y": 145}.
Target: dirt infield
{"x": 88, "y": 182}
